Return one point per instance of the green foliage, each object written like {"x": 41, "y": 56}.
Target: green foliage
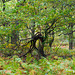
{"x": 63, "y": 52}
{"x": 48, "y": 15}
{"x": 44, "y": 66}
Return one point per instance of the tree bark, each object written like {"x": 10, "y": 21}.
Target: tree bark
{"x": 52, "y": 39}
{"x": 15, "y": 35}
{"x": 40, "y": 49}
{"x": 71, "y": 37}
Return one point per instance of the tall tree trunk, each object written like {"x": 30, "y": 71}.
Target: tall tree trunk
{"x": 4, "y": 23}
{"x": 15, "y": 35}
{"x": 52, "y": 39}
{"x": 71, "y": 37}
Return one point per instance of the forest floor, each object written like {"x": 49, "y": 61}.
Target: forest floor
{"x": 53, "y": 64}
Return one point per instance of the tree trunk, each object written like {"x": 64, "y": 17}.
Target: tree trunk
{"x": 52, "y": 39}
{"x": 15, "y": 35}
{"x": 40, "y": 49}
{"x": 71, "y": 37}
{"x": 32, "y": 29}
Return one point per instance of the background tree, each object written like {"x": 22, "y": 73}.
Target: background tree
{"x": 37, "y": 20}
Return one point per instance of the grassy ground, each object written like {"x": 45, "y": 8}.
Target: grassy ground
{"x": 51, "y": 65}
{"x": 59, "y": 61}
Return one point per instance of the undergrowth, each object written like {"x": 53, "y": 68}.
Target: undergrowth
{"x": 51, "y": 65}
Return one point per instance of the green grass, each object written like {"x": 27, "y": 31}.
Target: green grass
{"x": 32, "y": 66}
